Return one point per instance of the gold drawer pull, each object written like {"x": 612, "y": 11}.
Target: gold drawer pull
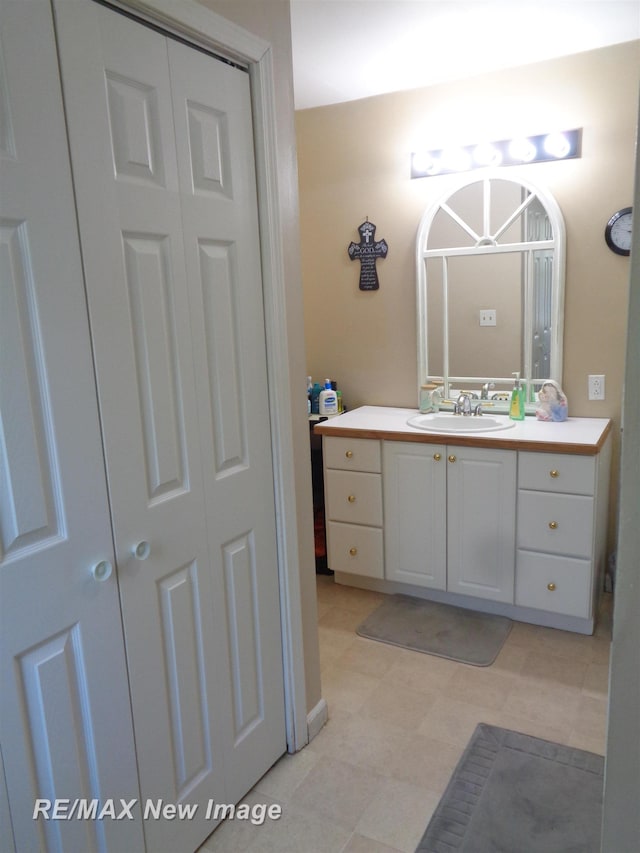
{"x": 553, "y": 525}
{"x": 351, "y": 499}
{"x": 437, "y": 456}
{"x": 554, "y": 473}
{"x": 353, "y": 551}
{"x": 452, "y": 458}
{"x": 349, "y": 454}
{"x": 551, "y": 587}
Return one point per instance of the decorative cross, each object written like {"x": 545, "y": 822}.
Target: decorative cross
{"x": 367, "y": 252}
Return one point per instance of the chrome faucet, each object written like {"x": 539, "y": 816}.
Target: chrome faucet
{"x": 484, "y": 395}
{"x": 463, "y": 406}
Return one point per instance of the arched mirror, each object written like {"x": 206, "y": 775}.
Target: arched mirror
{"x": 490, "y": 289}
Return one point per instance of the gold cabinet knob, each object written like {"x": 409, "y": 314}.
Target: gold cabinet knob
{"x": 452, "y": 458}
{"x": 353, "y": 551}
{"x": 554, "y": 473}
{"x": 437, "y": 456}
{"x": 351, "y": 499}
{"x": 349, "y": 454}
{"x": 551, "y": 587}
{"x": 553, "y": 525}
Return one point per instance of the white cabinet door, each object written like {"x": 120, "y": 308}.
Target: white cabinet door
{"x": 65, "y": 720}
{"x": 481, "y": 518}
{"x": 415, "y": 512}
{"x": 163, "y": 162}
{"x": 450, "y": 518}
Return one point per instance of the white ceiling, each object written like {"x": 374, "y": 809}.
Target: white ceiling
{"x": 349, "y": 49}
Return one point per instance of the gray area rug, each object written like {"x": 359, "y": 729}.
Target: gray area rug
{"x": 437, "y": 629}
{"x": 512, "y": 793}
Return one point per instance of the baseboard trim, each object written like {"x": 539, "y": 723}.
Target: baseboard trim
{"x": 316, "y": 718}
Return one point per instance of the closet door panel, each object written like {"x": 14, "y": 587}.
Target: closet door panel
{"x": 222, "y": 251}
{"x": 176, "y": 317}
{"x": 65, "y": 721}
{"x": 116, "y": 81}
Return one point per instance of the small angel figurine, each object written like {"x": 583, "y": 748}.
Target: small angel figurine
{"x": 553, "y": 404}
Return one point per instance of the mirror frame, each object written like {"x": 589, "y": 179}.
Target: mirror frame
{"x": 557, "y": 245}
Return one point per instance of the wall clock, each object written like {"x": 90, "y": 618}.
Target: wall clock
{"x": 617, "y": 232}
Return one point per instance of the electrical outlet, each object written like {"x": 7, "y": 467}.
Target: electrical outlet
{"x": 596, "y": 387}
{"x": 488, "y": 317}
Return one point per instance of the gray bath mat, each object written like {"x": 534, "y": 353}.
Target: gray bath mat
{"x": 512, "y": 792}
{"x": 437, "y": 629}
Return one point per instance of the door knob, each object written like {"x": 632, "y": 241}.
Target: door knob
{"x": 351, "y": 499}
{"x": 553, "y": 525}
{"x": 551, "y": 587}
{"x": 452, "y": 458}
{"x": 102, "y": 570}
{"x": 142, "y": 550}
{"x": 437, "y": 457}
{"x": 353, "y": 551}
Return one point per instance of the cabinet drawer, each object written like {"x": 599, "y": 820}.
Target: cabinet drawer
{"x": 569, "y": 579}
{"x": 354, "y": 497}
{"x": 357, "y": 550}
{"x": 559, "y": 524}
{"x": 355, "y": 454}
{"x": 557, "y": 472}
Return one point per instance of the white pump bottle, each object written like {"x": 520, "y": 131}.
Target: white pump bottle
{"x": 328, "y": 400}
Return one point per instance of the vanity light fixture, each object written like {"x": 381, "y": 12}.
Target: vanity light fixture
{"x": 557, "y": 145}
{"x": 487, "y": 154}
{"x": 546, "y": 147}
{"x": 522, "y": 150}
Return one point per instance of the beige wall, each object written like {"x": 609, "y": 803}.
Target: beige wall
{"x": 270, "y": 21}
{"x": 354, "y": 163}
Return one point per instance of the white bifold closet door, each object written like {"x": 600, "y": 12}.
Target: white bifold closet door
{"x": 162, "y": 160}
{"x": 65, "y": 717}
{"x": 162, "y": 154}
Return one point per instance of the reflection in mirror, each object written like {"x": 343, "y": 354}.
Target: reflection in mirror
{"x": 491, "y": 245}
{"x": 476, "y": 283}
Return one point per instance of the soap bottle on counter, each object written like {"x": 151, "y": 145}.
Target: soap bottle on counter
{"x": 516, "y": 409}
{"x": 328, "y": 400}
{"x": 315, "y": 398}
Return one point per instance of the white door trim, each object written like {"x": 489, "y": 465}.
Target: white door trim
{"x": 207, "y": 29}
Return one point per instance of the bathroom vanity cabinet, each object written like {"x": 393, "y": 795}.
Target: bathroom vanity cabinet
{"x": 353, "y": 506}
{"x": 450, "y": 517}
{"x": 558, "y": 532}
{"x": 512, "y": 522}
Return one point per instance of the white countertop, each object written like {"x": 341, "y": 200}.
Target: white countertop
{"x": 575, "y": 435}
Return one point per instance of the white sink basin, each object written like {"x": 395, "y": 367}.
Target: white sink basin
{"x": 442, "y": 422}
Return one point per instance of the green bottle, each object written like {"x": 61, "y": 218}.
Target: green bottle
{"x": 516, "y": 409}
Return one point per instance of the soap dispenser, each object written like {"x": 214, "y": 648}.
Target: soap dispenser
{"x": 516, "y": 409}
{"x": 328, "y": 402}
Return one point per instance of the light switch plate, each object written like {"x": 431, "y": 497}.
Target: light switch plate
{"x": 488, "y": 317}
{"x": 596, "y": 386}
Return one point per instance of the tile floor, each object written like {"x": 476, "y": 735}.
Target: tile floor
{"x": 399, "y": 721}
